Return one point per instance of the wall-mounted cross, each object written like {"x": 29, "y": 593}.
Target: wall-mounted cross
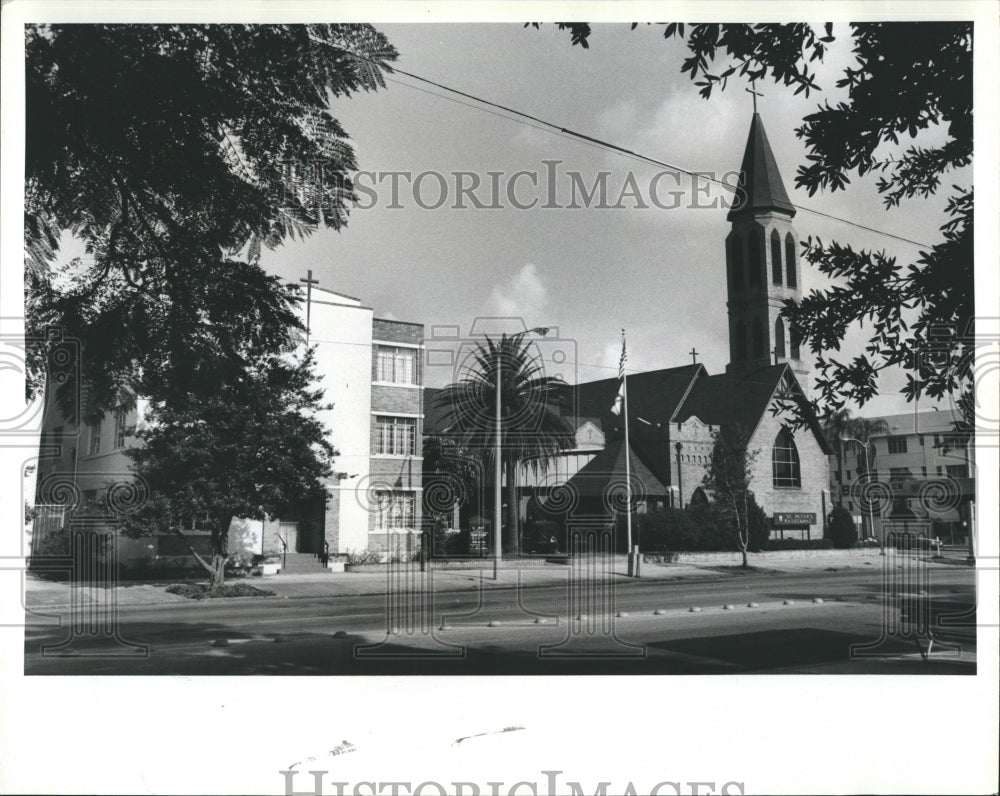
{"x": 309, "y": 281}
{"x": 753, "y": 90}
{"x": 694, "y": 355}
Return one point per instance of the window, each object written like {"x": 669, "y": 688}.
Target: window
{"x": 923, "y": 471}
{"x": 395, "y": 436}
{"x": 900, "y": 474}
{"x": 396, "y": 365}
{"x": 394, "y": 510}
{"x": 957, "y": 471}
{"x": 795, "y": 346}
{"x": 897, "y": 444}
{"x": 775, "y": 257}
{"x": 120, "y": 428}
{"x": 95, "y": 438}
{"x": 785, "y": 461}
{"x": 779, "y": 337}
{"x": 790, "y": 260}
{"x": 939, "y": 469}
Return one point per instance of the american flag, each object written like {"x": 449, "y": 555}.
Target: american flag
{"x": 616, "y": 408}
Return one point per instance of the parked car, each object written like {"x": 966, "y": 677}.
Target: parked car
{"x": 915, "y": 541}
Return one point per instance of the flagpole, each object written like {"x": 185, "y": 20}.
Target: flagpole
{"x": 628, "y": 470}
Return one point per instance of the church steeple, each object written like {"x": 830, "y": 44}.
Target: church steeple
{"x": 761, "y": 263}
{"x": 762, "y": 188}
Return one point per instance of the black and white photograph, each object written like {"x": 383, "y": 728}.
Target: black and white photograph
{"x": 407, "y": 399}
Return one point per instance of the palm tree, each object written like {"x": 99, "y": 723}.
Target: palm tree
{"x": 533, "y": 428}
{"x": 835, "y": 427}
{"x": 863, "y": 429}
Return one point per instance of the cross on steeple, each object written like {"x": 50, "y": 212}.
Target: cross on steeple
{"x": 694, "y": 355}
{"x": 753, "y": 90}
{"x": 309, "y": 282}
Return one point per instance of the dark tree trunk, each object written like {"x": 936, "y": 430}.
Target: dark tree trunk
{"x": 744, "y": 552}
{"x": 220, "y": 550}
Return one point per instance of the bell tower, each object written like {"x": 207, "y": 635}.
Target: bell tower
{"x": 762, "y": 266}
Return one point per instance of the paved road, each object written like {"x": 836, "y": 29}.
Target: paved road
{"x": 354, "y": 635}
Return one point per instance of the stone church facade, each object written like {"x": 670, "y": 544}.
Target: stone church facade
{"x": 673, "y": 413}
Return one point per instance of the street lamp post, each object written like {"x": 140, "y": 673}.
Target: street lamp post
{"x": 498, "y": 431}
{"x": 871, "y": 515}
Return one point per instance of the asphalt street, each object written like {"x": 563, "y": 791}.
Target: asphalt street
{"x": 766, "y": 622}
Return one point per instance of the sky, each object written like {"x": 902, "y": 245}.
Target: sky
{"x": 585, "y": 272}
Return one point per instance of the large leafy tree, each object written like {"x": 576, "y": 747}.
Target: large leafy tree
{"x": 908, "y": 78}
{"x": 200, "y": 461}
{"x": 727, "y": 480}
{"x": 166, "y": 149}
{"x": 533, "y": 425}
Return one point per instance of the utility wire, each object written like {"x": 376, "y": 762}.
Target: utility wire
{"x": 547, "y": 126}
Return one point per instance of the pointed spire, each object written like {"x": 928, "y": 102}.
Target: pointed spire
{"x": 762, "y": 183}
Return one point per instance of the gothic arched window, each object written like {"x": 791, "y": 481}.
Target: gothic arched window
{"x": 785, "y": 461}
{"x": 754, "y": 250}
{"x": 791, "y": 281}
{"x": 757, "y": 339}
{"x": 779, "y": 337}
{"x": 736, "y": 263}
{"x": 775, "y": 257}
{"x": 741, "y": 341}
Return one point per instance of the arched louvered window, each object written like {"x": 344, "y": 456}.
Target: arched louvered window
{"x": 785, "y": 461}
{"x": 775, "y": 257}
{"x": 754, "y": 251}
{"x": 757, "y": 339}
{"x": 790, "y": 279}
{"x": 736, "y": 263}
{"x": 779, "y": 337}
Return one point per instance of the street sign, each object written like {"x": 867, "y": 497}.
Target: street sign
{"x": 784, "y": 519}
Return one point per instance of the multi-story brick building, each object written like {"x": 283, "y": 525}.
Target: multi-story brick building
{"x": 370, "y": 371}
{"x": 927, "y": 472}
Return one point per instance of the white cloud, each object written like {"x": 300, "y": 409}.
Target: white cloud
{"x": 525, "y": 295}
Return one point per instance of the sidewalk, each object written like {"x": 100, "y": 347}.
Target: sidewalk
{"x": 40, "y": 593}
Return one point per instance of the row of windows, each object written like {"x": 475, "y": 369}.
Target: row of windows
{"x": 395, "y": 436}
{"x": 396, "y": 365}
{"x": 904, "y": 473}
{"x": 755, "y": 349}
{"x": 755, "y": 275}
{"x": 393, "y": 510}
{"x": 95, "y": 428}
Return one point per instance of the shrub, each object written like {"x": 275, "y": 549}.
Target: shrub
{"x": 199, "y": 591}
{"x": 538, "y": 536}
{"x": 759, "y": 530}
{"x": 843, "y": 532}
{"x": 799, "y": 544}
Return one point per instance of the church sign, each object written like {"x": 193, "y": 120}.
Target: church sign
{"x": 785, "y": 519}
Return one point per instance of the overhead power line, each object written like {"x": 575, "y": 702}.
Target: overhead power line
{"x": 547, "y": 126}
